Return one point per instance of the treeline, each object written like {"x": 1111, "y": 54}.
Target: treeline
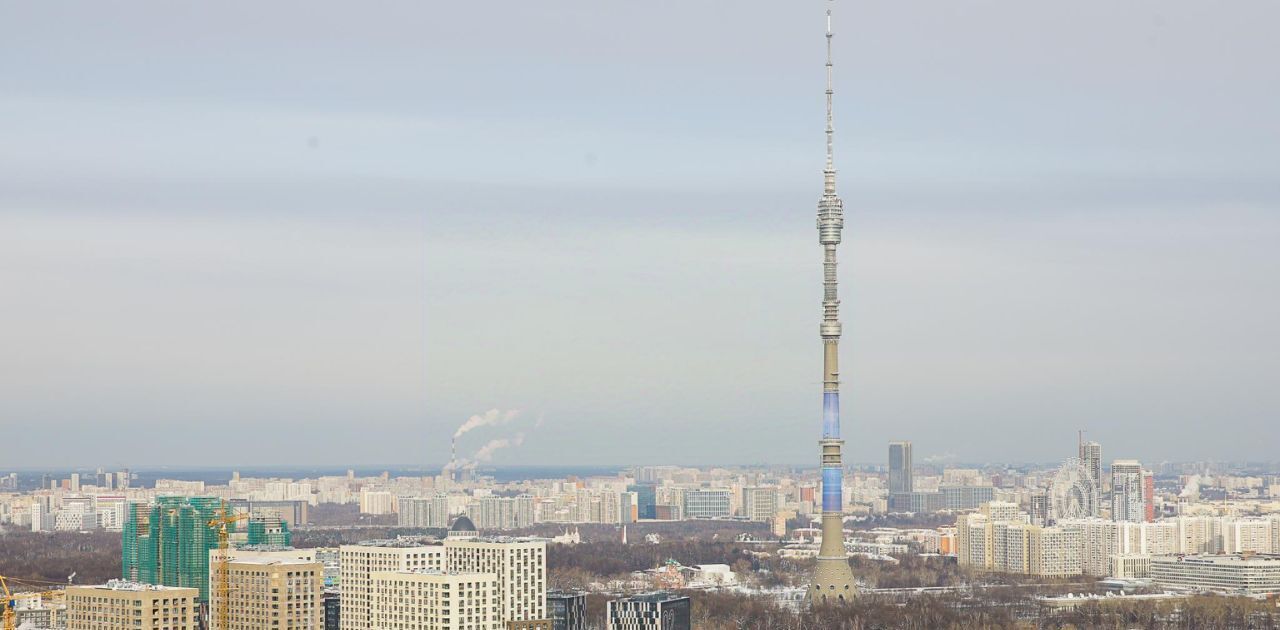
{"x": 575, "y": 566}
{"x": 347, "y": 515}
{"x": 600, "y": 560}
{"x": 911, "y": 572}
{"x": 1208, "y": 612}
{"x": 727, "y": 611}
{"x": 50, "y": 557}
{"x": 705, "y": 530}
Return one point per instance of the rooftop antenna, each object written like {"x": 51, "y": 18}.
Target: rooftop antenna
{"x": 830, "y": 171}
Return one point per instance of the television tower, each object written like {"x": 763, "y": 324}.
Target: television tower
{"x": 833, "y": 580}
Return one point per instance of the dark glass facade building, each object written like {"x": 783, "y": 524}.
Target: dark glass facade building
{"x": 646, "y": 500}
{"x": 568, "y": 611}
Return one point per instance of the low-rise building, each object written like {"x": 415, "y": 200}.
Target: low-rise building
{"x": 1131, "y": 566}
{"x": 567, "y": 611}
{"x": 1241, "y": 574}
{"x": 650, "y": 611}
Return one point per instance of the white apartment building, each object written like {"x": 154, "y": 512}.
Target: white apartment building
{"x": 358, "y": 563}
{"x": 519, "y": 564}
{"x": 1199, "y": 534}
{"x": 430, "y": 511}
{"x": 378, "y": 502}
{"x": 1099, "y": 541}
{"x": 434, "y": 600}
{"x": 1250, "y": 535}
{"x": 502, "y": 512}
{"x": 1055, "y": 551}
{"x": 1127, "y": 491}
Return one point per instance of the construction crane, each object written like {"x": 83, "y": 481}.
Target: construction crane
{"x": 7, "y": 615}
{"x": 8, "y": 606}
{"x": 220, "y": 522}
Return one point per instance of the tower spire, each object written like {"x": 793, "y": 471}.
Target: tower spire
{"x": 829, "y": 173}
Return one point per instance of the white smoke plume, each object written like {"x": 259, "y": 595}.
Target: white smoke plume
{"x": 492, "y": 417}
{"x": 486, "y": 452}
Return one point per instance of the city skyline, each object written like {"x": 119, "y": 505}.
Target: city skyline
{"x": 349, "y": 244}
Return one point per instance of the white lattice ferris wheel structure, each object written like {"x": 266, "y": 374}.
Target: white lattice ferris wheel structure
{"x": 1072, "y": 493}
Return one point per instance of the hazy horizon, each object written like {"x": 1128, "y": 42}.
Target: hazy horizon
{"x": 242, "y": 234}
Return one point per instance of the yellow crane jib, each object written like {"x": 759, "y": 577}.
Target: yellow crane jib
{"x": 225, "y": 517}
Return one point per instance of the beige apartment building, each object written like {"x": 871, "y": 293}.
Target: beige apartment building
{"x": 267, "y": 593}
{"x": 120, "y": 605}
{"x": 434, "y": 600}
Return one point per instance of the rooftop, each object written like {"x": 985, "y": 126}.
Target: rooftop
{"x": 402, "y": 542}
{"x": 125, "y": 585}
{"x": 1228, "y": 558}
{"x": 655, "y": 597}
{"x": 252, "y": 559}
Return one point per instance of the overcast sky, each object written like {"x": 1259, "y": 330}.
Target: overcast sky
{"x": 238, "y": 233}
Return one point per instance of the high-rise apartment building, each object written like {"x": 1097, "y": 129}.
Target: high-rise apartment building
{"x": 1091, "y": 458}
{"x": 430, "y": 511}
{"x": 650, "y": 611}
{"x": 901, "y": 477}
{"x": 975, "y": 545}
{"x": 120, "y": 604}
{"x": 519, "y": 564}
{"x": 502, "y": 512}
{"x": 377, "y": 502}
{"x": 1251, "y": 535}
{"x": 266, "y": 592}
{"x": 1128, "y": 493}
{"x": 358, "y": 564}
{"x": 1040, "y": 507}
{"x": 435, "y": 600}
{"x": 760, "y": 503}
{"x": 994, "y": 542}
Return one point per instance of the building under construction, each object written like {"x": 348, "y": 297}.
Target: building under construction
{"x": 269, "y": 531}
{"x": 169, "y": 542}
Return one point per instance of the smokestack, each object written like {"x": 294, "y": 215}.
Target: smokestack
{"x": 453, "y": 457}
